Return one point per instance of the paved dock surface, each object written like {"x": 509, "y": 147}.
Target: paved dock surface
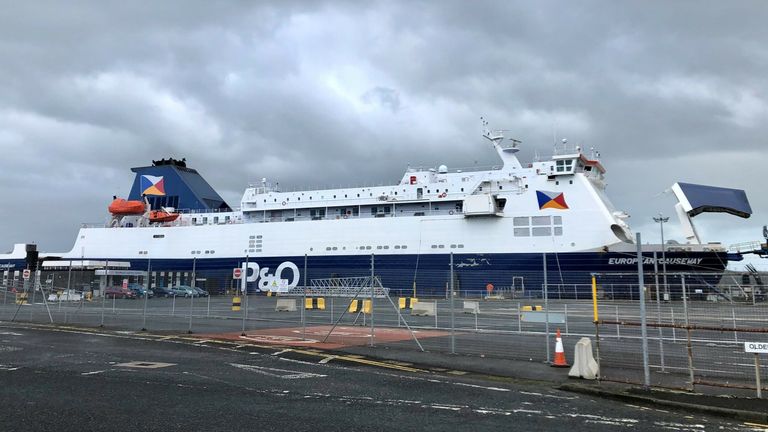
{"x": 67, "y": 379}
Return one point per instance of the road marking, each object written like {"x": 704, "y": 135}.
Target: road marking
{"x": 278, "y": 339}
{"x": 277, "y": 373}
{"x": 8, "y": 367}
{"x": 9, "y": 333}
{"x": 547, "y": 395}
{"x": 282, "y": 352}
{"x": 8, "y": 348}
{"x": 482, "y": 387}
{"x": 327, "y": 359}
{"x": 145, "y": 365}
{"x": 358, "y": 359}
{"x": 94, "y": 372}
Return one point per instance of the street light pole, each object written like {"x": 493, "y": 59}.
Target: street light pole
{"x": 661, "y": 220}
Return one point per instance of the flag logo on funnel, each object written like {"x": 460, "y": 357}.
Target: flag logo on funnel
{"x": 152, "y": 185}
{"x": 553, "y": 200}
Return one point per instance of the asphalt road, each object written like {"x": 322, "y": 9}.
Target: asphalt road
{"x": 75, "y": 380}
{"x": 497, "y": 331}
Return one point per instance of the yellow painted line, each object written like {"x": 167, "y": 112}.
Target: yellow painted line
{"x": 356, "y": 359}
{"x": 757, "y": 425}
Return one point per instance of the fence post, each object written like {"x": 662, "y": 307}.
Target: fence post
{"x": 685, "y": 298}
{"x": 208, "y": 308}
{"x": 191, "y": 305}
{"x": 453, "y": 317}
{"x": 546, "y": 304}
{"x": 103, "y": 297}
{"x": 373, "y": 277}
{"x": 733, "y": 316}
{"x": 244, "y": 288}
{"x": 690, "y": 357}
{"x": 687, "y": 332}
{"x": 757, "y": 376}
{"x": 674, "y": 326}
{"x": 618, "y": 334}
{"x": 643, "y": 321}
{"x": 146, "y": 294}
{"x": 658, "y": 310}
{"x": 519, "y": 319}
{"x": 304, "y": 303}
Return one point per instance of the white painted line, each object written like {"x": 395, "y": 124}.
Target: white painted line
{"x": 296, "y": 361}
{"x": 282, "y": 352}
{"x": 327, "y": 359}
{"x": 482, "y": 387}
{"x": 94, "y": 372}
{"x": 277, "y": 373}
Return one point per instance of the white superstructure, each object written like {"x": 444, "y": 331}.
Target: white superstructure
{"x": 428, "y": 211}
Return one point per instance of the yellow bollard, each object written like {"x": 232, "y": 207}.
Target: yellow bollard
{"x": 236, "y": 304}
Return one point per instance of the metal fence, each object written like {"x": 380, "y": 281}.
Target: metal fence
{"x": 695, "y": 336}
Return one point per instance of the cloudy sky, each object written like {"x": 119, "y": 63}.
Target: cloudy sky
{"x": 343, "y": 93}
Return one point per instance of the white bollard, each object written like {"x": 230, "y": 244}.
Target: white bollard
{"x": 584, "y": 364}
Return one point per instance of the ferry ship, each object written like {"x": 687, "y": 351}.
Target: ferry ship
{"x": 501, "y": 226}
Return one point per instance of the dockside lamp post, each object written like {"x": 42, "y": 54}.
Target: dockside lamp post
{"x": 661, "y": 220}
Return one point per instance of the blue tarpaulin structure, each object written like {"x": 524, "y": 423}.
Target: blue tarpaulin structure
{"x": 697, "y": 199}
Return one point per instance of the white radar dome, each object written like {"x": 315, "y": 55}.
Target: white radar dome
{"x": 442, "y": 169}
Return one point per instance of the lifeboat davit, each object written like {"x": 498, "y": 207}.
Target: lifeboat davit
{"x": 162, "y": 216}
{"x": 125, "y": 207}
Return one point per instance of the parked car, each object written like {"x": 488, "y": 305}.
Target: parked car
{"x": 183, "y": 291}
{"x": 201, "y": 292}
{"x": 140, "y": 290}
{"x": 162, "y": 292}
{"x": 119, "y": 292}
{"x": 191, "y": 292}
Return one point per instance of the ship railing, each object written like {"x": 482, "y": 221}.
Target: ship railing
{"x": 749, "y": 246}
{"x": 447, "y": 212}
{"x": 566, "y": 149}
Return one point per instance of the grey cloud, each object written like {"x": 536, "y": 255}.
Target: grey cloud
{"x": 341, "y": 93}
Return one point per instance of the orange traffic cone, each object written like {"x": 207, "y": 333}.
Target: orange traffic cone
{"x": 559, "y": 353}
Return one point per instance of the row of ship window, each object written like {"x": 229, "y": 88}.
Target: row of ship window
{"x": 437, "y": 191}
{"x": 194, "y": 252}
{"x": 538, "y": 226}
{"x": 216, "y": 220}
{"x": 254, "y": 243}
{"x": 386, "y": 247}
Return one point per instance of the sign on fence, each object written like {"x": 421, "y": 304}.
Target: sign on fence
{"x": 237, "y": 273}
{"x": 541, "y": 317}
{"x": 756, "y": 347}
{"x": 26, "y": 274}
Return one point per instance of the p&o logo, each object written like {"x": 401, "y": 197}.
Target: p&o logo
{"x": 275, "y": 282}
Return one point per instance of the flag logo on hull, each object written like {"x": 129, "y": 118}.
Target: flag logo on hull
{"x": 551, "y": 200}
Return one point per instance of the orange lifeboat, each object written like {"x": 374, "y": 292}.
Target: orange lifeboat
{"x": 124, "y": 207}
{"x": 162, "y": 216}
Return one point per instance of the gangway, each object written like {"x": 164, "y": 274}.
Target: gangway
{"x": 342, "y": 287}
{"x": 362, "y": 287}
